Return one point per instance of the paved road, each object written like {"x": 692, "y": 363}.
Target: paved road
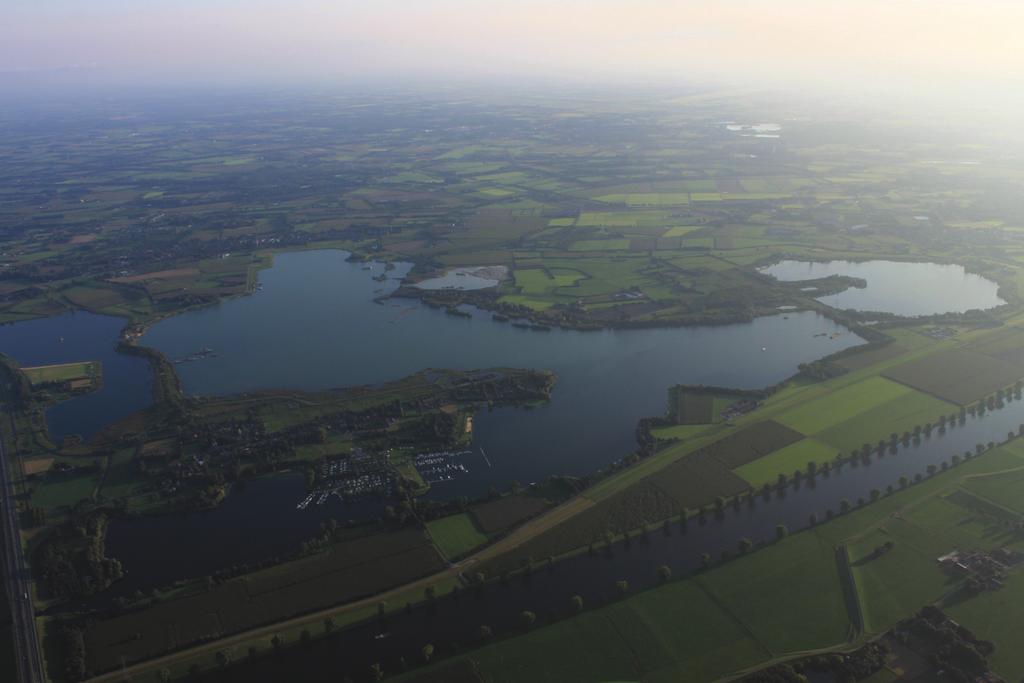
{"x": 19, "y": 579}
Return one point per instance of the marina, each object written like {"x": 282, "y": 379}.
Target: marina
{"x": 441, "y": 466}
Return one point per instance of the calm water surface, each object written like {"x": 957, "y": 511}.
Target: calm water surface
{"x": 316, "y": 325}
{"x": 157, "y": 550}
{"x": 80, "y": 336}
{"x": 547, "y": 591}
{"x": 897, "y": 287}
{"x": 458, "y": 278}
{"x": 284, "y": 336}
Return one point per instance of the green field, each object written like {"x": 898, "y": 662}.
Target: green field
{"x": 694, "y": 407}
{"x": 1005, "y": 491}
{"x": 680, "y": 230}
{"x": 902, "y": 580}
{"x": 455, "y": 535}
{"x": 897, "y": 415}
{"x": 996, "y": 616}
{"x": 61, "y": 489}
{"x": 529, "y": 302}
{"x": 601, "y": 245}
{"x": 869, "y": 409}
{"x": 679, "y": 431}
{"x": 787, "y": 597}
{"x": 63, "y": 372}
{"x": 621, "y": 219}
{"x": 841, "y": 405}
{"x": 752, "y": 442}
{"x": 647, "y": 198}
{"x": 345, "y": 571}
{"x": 536, "y": 281}
{"x": 786, "y": 461}
{"x": 783, "y": 598}
{"x": 957, "y": 376}
{"x": 642, "y": 636}
{"x": 120, "y": 479}
{"x": 788, "y": 594}
{"x": 932, "y": 519}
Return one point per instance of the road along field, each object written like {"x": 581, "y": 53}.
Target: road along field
{"x": 347, "y": 571}
{"x": 789, "y": 596}
{"x": 506, "y": 512}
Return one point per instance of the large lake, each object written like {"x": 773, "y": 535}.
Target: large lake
{"x": 316, "y": 325}
{"x": 898, "y": 287}
{"x": 319, "y": 322}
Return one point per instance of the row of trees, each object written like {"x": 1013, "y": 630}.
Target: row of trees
{"x": 528, "y": 618}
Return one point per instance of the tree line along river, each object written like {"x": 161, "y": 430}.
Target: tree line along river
{"x": 594, "y": 577}
{"x": 282, "y": 336}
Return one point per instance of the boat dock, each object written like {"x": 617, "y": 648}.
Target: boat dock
{"x": 441, "y": 465}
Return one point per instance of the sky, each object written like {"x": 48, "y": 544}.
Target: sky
{"x": 935, "y": 46}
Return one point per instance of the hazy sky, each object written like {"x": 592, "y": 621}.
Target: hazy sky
{"x": 936, "y": 44}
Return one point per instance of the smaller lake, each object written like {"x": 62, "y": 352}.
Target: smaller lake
{"x": 80, "y": 336}
{"x": 480, "y": 277}
{"x": 897, "y": 287}
{"x": 755, "y": 130}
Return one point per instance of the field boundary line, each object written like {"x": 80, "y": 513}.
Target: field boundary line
{"x": 851, "y": 595}
{"x": 713, "y": 597}
{"x": 844, "y": 646}
{"x": 921, "y": 501}
{"x": 998, "y": 506}
{"x": 243, "y": 636}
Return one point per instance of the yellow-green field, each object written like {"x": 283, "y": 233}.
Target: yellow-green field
{"x": 844, "y": 414}
{"x": 786, "y": 461}
{"x": 455, "y": 535}
{"x": 64, "y": 372}
{"x": 788, "y": 597}
{"x": 838, "y": 406}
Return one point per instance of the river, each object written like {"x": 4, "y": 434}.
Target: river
{"x": 546, "y": 591}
